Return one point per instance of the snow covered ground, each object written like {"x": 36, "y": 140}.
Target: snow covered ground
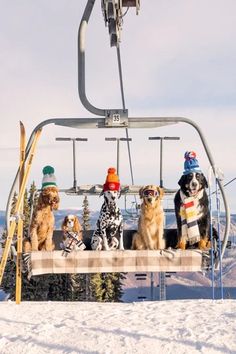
{"x": 174, "y": 327}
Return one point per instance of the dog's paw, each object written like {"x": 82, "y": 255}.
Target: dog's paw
{"x": 204, "y": 244}
{"x": 114, "y": 244}
{"x": 106, "y": 248}
{"x": 62, "y": 245}
{"x": 96, "y": 243}
{"x": 208, "y": 245}
{"x": 181, "y": 245}
{"x": 81, "y": 246}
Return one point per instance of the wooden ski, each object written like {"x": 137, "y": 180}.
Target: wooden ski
{"x": 20, "y": 224}
{"x": 12, "y": 228}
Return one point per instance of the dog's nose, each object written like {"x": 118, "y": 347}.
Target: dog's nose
{"x": 194, "y": 184}
{"x": 149, "y": 200}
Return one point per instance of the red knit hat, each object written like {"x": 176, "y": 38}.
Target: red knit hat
{"x": 112, "y": 181}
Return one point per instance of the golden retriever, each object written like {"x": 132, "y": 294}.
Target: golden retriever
{"x": 150, "y": 234}
{"x": 42, "y": 225}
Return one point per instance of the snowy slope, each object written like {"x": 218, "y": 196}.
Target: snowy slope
{"x": 188, "y": 326}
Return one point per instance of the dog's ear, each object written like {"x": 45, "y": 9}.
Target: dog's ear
{"x": 40, "y": 199}
{"x": 56, "y": 203}
{"x": 204, "y": 181}
{"x": 161, "y": 192}
{"x": 181, "y": 181}
{"x": 141, "y": 192}
{"x": 77, "y": 226}
{"x": 44, "y": 197}
{"x": 56, "y": 206}
{"x": 63, "y": 225}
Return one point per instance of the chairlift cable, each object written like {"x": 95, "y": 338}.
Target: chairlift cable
{"x": 123, "y": 104}
{"x": 120, "y": 76}
{"x": 219, "y": 240}
{"x": 233, "y": 179}
{"x": 125, "y": 12}
{"x": 226, "y": 184}
{"x": 126, "y": 129}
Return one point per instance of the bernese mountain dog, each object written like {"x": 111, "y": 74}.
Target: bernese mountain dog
{"x": 192, "y": 207}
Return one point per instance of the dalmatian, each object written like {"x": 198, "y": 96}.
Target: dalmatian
{"x": 109, "y": 229}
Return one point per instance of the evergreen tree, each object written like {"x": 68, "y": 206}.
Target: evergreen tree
{"x": 79, "y": 290}
{"x": 59, "y": 287}
{"x": 31, "y": 199}
{"x": 14, "y": 201}
{"x": 8, "y": 281}
{"x": 86, "y": 214}
{"x": 118, "y": 285}
{"x": 13, "y": 207}
{"x": 107, "y": 287}
{"x": 26, "y": 213}
{"x": 97, "y": 281}
{"x": 33, "y": 195}
{"x": 81, "y": 283}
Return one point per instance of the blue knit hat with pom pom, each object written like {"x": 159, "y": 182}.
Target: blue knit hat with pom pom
{"x": 49, "y": 179}
{"x": 191, "y": 163}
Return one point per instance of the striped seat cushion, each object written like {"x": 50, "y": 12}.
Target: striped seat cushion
{"x": 116, "y": 261}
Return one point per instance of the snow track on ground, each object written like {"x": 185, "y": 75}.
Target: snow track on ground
{"x": 187, "y": 326}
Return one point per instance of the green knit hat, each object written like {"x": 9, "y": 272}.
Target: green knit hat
{"x": 49, "y": 179}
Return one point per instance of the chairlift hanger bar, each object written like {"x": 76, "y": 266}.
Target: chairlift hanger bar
{"x": 81, "y": 67}
{"x": 117, "y": 9}
{"x": 106, "y": 4}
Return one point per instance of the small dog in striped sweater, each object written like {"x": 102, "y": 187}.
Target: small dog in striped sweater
{"x": 72, "y": 235}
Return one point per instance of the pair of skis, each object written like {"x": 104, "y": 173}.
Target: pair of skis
{"x": 17, "y": 219}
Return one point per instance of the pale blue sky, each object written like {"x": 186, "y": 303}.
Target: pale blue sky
{"x": 178, "y": 60}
